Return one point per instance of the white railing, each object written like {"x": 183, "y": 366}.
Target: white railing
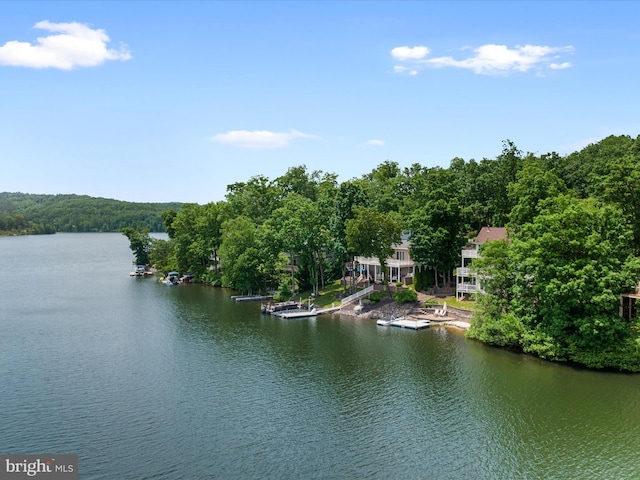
{"x": 467, "y": 288}
{"x": 390, "y": 262}
{"x": 357, "y": 295}
{"x": 464, "y": 272}
{"x": 470, "y": 253}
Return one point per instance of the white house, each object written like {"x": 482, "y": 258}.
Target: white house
{"x": 400, "y": 267}
{"x": 466, "y": 280}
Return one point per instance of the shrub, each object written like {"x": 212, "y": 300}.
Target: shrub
{"x": 624, "y": 356}
{"x": 375, "y": 297}
{"x": 212, "y": 277}
{"x": 405, "y": 296}
{"x": 284, "y": 292}
{"x": 543, "y": 345}
{"x": 505, "y": 331}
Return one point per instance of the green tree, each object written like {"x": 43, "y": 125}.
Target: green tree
{"x": 349, "y": 195}
{"x": 372, "y": 234}
{"x": 303, "y": 234}
{"x": 570, "y": 263}
{"x": 162, "y": 255}
{"x": 139, "y": 242}
{"x": 240, "y": 255}
{"x": 435, "y": 236}
{"x": 168, "y": 216}
{"x": 556, "y": 288}
{"x": 255, "y": 199}
{"x": 533, "y": 185}
{"x": 298, "y": 180}
{"x": 197, "y": 234}
{"x": 435, "y": 223}
{"x": 385, "y": 187}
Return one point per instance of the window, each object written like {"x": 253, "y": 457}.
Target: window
{"x": 400, "y": 255}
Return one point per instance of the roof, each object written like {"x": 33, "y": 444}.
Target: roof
{"x": 490, "y": 233}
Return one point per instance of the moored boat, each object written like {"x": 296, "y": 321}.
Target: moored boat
{"x": 273, "y": 308}
{"x": 172, "y": 278}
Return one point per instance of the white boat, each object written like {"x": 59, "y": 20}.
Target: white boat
{"x": 172, "y": 278}
{"x": 275, "y": 308}
{"x": 138, "y": 271}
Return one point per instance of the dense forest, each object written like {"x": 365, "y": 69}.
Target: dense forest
{"x": 22, "y": 213}
{"x": 552, "y": 288}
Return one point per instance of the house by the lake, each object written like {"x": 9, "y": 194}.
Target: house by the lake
{"x": 467, "y": 282}
{"x": 399, "y": 267}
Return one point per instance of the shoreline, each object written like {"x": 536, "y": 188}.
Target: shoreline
{"x": 456, "y": 318}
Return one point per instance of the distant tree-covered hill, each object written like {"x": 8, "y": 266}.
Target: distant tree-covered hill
{"x": 34, "y": 213}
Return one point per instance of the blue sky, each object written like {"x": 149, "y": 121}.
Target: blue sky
{"x": 173, "y": 101}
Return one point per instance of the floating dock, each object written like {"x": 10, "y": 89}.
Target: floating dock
{"x": 250, "y": 298}
{"x": 411, "y": 324}
{"x": 274, "y": 308}
{"x": 298, "y": 314}
{"x": 305, "y": 313}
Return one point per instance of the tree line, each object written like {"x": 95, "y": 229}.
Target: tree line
{"x": 552, "y": 289}
{"x": 22, "y": 213}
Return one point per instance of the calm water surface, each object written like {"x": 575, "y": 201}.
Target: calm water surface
{"x": 145, "y": 381}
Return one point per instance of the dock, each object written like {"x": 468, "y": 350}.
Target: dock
{"x": 416, "y": 324}
{"x": 306, "y": 313}
{"x": 274, "y": 308}
{"x": 329, "y": 310}
{"x": 250, "y": 298}
{"x": 297, "y": 314}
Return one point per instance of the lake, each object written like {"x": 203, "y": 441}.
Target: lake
{"x": 146, "y": 381}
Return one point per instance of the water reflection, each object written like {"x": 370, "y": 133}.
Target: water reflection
{"x": 429, "y": 392}
{"x": 148, "y": 381}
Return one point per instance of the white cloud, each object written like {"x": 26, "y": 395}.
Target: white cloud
{"x": 376, "y": 143}
{"x": 404, "y": 70}
{"x": 259, "y": 139}
{"x": 560, "y": 66}
{"x": 492, "y": 59}
{"x": 487, "y": 59}
{"x": 409, "y": 53}
{"x": 71, "y": 45}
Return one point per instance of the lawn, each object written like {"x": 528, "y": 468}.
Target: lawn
{"x": 331, "y": 294}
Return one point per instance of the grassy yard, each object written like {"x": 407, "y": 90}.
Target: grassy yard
{"x": 327, "y": 296}
{"x": 330, "y": 294}
{"x": 452, "y": 302}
